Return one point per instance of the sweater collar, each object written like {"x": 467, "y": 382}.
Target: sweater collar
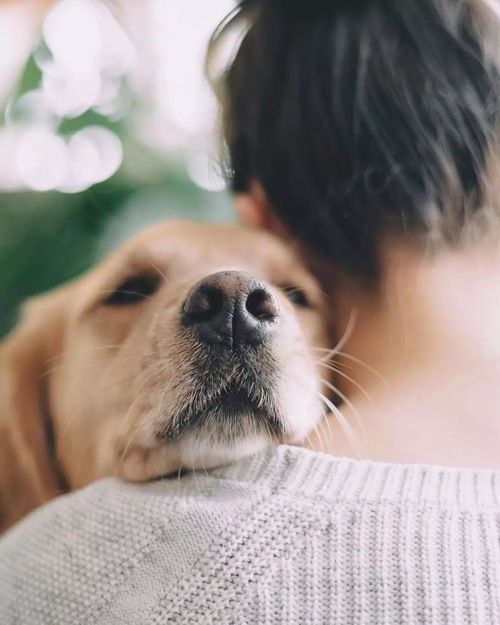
{"x": 342, "y": 479}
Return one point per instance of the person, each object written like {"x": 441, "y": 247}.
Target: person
{"x": 367, "y": 130}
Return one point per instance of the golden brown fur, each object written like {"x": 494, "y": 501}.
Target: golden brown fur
{"x": 88, "y": 388}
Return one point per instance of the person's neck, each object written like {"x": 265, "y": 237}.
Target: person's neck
{"x": 423, "y": 358}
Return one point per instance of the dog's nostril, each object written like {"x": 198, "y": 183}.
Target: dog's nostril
{"x": 262, "y": 305}
{"x": 232, "y": 309}
{"x": 204, "y": 304}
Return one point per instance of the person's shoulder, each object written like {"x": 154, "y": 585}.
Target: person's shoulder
{"x": 114, "y": 546}
{"x": 130, "y": 507}
{"x": 81, "y": 551}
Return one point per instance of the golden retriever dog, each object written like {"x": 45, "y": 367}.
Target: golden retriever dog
{"x": 190, "y": 346}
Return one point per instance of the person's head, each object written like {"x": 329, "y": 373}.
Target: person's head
{"x": 366, "y": 119}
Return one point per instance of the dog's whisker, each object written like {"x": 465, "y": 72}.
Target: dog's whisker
{"x": 358, "y": 361}
{"x": 345, "y": 425}
{"x": 130, "y": 435}
{"x": 133, "y": 432}
{"x": 82, "y": 350}
{"x": 367, "y": 366}
{"x": 347, "y": 377}
{"x": 319, "y": 438}
{"x": 351, "y": 322}
{"x": 156, "y": 268}
{"x": 318, "y": 427}
{"x": 327, "y": 422}
{"x": 318, "y": 430}
{"x": 346, "y": 401}
{"x": 307, "y": 438}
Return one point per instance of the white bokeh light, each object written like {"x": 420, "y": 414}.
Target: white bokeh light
{"x": 183, "y": 109}
{"x": 19, "y": 23}
{"x": 45, "y": 161}
{"x": 73, "y": 35}
{"x": 41, "y": 158}
{"x": 89, "y": 50}
{"x": 30, "y": 108}
{"x": 70, "y": 95}
{"x": 205, "y": 172}
{"x": 94, "y": 154}
{"x": 87, "y": 53}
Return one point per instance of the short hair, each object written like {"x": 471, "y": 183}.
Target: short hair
{"x": 362, "y": 118}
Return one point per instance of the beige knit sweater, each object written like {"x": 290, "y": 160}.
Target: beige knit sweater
{"x": 287, "y": 536}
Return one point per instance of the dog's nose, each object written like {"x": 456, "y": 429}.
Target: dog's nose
{"x": 231, "y": 308}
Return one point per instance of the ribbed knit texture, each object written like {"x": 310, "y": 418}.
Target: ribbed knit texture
{"x": 286, "y": 536}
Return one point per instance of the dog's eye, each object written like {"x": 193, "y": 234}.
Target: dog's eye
{"x": 133, "y": 290}
{"x": 296, "y": 296}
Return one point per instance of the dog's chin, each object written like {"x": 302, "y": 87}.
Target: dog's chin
{"x": 227, "y": 428}
{"x": 230, "y": 417}
{"x": 191, "y": 452}
{"x": 200, "y": 452}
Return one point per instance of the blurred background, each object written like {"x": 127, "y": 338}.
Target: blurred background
{"x": 107, "y": 126}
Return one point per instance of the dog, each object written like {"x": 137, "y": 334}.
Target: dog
{"x": 190, "y": 346}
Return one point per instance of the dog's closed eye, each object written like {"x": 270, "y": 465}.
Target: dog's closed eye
{"x": 133, "y": 290}
{"x": 296, "y": 296}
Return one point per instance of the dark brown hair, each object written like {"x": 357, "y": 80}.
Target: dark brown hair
{"x": 362, "y": 117}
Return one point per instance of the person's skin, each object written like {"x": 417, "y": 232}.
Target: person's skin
{"x": 428, "y": 390}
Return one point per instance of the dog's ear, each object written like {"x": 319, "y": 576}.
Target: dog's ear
{"x": 28, "y": 470}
